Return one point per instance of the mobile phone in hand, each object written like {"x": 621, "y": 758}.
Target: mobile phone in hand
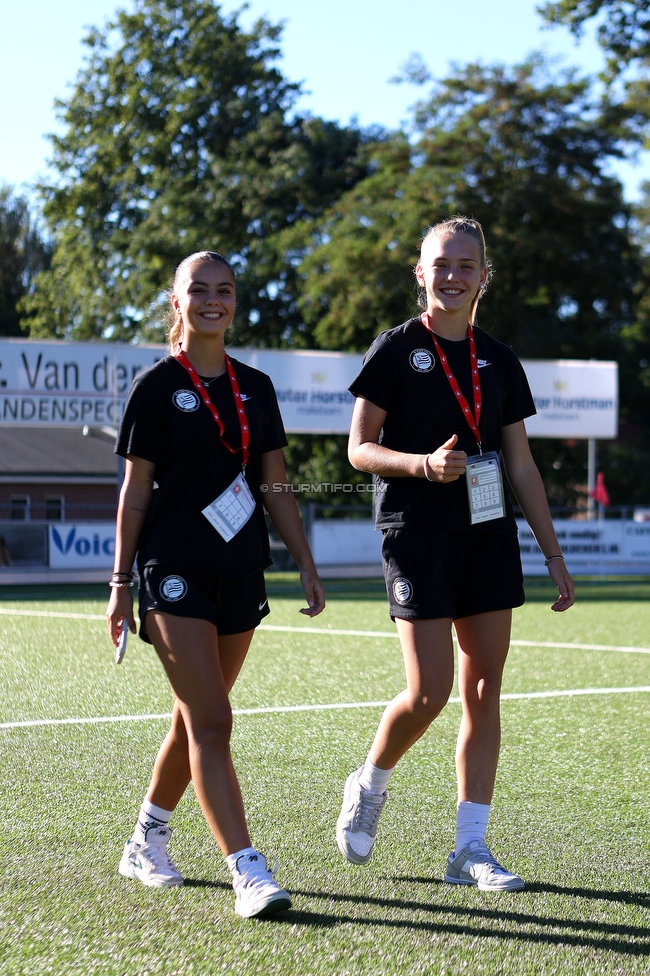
{"x": 120, "y": 650}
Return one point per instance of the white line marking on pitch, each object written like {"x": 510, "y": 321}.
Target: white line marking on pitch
{"x": 623, "y": 649}
{"x": 330, "y": 707}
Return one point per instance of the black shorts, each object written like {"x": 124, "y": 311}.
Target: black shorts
{"x": 232, "y": 605}
{"x": 432, "y": 572}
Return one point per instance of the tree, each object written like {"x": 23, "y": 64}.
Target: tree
{"x": 624, "y": 35}
{"x": 23, "y": 254}
{"x": 527, "y": 156}
{"x": 624, "y": 31}
{"x": 177, "y": 138}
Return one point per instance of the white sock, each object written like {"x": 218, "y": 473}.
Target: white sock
{"x": 471, "y": 822}
{"x": 231, "y": 859}
{"x": 374, "y": 779}
{"x": 150, "y": 816}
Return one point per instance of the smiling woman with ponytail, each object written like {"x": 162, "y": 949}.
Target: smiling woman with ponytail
{"x": 440, "y": 409}
{"x": 201, "y": 433}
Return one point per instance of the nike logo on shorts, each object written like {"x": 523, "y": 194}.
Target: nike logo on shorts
{"x": 262, "y": 604}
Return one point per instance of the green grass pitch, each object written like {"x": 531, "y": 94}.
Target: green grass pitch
{"x": 571, "y": 811}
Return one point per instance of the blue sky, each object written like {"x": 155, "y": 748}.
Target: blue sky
{"x": 344, "y": 51}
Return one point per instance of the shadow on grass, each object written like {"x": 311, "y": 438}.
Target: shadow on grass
{"x": 284, "y": 585}
{"x": 471, "y": 921}
{"x": 202, "y": 883}
{"x": 640, "y": 898}
{"x": 55, "y": 591}
{"x": 353, "y": 589}
{"x": 541, "y": 591}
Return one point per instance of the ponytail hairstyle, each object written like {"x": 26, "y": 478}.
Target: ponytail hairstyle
{"x": 471, "y": 228}
{"x": 174, "y": 318}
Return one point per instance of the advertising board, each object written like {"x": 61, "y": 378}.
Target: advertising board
{"x": 54, "y": 383}
{"x": 81, "y": 545}
{"x": 574, "y": 398}
{"x": 68, "y": 384}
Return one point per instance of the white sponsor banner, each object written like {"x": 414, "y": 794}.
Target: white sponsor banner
{"x": 335, "y": 542}
{"x": 312, "y": 387}
{"x": 609, "y": 546}
{"x": 591, "y": 548}
{"x": 82, "y": 545}
{"x": 574, "y": 398}
{"x": 53, "y": 383}
{"x": 68, "y": 384}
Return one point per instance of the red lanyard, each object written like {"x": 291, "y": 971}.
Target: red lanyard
{"x": 472, "y": 419}
{"x": 239, "y": 403}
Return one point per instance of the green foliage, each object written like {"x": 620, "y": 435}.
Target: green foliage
{"x": 176, "y": 138}
{"x": 314, "y": 460}
{"x": 23, "y": 254}
{"x": 624, "y": 34}
{"x": 624, "y": 28}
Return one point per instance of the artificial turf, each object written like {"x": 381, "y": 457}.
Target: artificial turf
{"x": 571, "y": 811}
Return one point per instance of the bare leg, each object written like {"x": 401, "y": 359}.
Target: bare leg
{"x": 429, "y": 664}
{"x": 484, "y": 639}
{"x": 189, "y": 651}
{"x": 171, "y": 772}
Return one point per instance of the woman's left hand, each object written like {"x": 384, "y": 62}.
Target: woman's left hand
{"x": 314, "y": 591}
{"x": 560, "y": 575}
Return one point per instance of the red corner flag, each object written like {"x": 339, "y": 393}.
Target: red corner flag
{"x": 600, "y": 493}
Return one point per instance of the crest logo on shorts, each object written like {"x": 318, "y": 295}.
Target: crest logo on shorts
{"x": 186, "y": 400}
{"x": 173, "y": 588}
{"x": 402, "y": 590}
{"x": 422, "y": 360}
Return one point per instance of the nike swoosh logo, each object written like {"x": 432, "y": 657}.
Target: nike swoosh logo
{"x": 245, "y": 396}
{"x": 481, "y": 363}
{"x": 262, "y": 605}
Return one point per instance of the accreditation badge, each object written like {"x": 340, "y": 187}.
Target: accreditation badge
{"x": 232, "y": 509}
{"x": 485, "y": 487}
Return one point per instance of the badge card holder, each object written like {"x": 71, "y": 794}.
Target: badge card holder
{"x": 232, "y": 509}
{"x": 485, "y": 487}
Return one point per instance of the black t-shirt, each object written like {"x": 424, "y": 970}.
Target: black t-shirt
{"x": 401, "y": 374}
{"x": 166, "y": 423}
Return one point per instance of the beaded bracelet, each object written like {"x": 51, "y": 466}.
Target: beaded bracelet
{"x": 547, "y": 561}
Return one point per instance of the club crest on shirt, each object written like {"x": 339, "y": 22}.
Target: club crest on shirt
{"x": 402, "y": 590}
{"x": 422, "y": 361}
{"x": 173, "y": 588}
{"x": 186, "y": 400}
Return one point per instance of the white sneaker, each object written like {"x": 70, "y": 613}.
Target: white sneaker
{"x": 149, "y": 862}
{"x": 257, "y": 893}
{"x": 356, "y": 827}
{"x": 477, "y": 865}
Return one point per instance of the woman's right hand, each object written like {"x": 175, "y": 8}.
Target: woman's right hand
{"x": 120, "y": 607}
{"x": 445, "y": 464}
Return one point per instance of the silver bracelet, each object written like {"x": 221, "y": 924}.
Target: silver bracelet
{"x": 547, "y": 561}
{"x": 426, "y": 473}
